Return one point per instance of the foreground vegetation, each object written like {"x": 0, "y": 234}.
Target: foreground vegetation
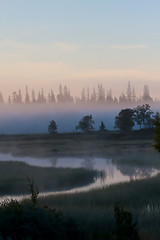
{"x": 90, "y": 215}
{"x": 13, "y": 177}
{"x": 26, "y": 221}
{"x": 95, "y": 209}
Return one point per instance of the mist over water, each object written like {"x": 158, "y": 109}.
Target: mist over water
{"x": 23, "y": 119}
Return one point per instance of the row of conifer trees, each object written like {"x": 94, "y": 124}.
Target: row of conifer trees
{"x": 97, "y": 95}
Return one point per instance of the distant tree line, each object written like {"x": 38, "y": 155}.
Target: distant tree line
{"x": 97, "y": 95}
{"x": 86, "y": 124}
{"x": 128, "y": 118}
{"x": 141, "y": 116}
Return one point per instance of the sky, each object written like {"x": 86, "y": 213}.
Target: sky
{"x": 79, "y": 43}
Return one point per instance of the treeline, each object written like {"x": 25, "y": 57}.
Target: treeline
{"x": 96, "y": 95}
{"x": 141, "y": 116}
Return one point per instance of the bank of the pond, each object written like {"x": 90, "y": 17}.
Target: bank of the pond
{"x": 95, "y": 208}
{"x": 13, "y": 178}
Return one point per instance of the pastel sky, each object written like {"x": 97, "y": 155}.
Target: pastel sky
{"x": 79, "y": 43}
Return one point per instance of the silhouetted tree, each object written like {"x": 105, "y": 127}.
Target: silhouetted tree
{"x": 93, "y": 96}
{"x": 146, "y": 95}
{"x": 86, "y": 123}
{"x": 33, "y": 100}
{"x": 133, "y": 95}
{"x": 51, "y": 97}
{"x": 60, "y": 94}
{"x": 156, "y": 123}
{"x": 109, "y": 97}
{"x": 66, "y": 95}
{"x": 129, "y": 92}
{"x": 27, "y": 98}
{"x": 143, "y": 115}
{"x": 101, "y": 93}
{"x": 125, "y": 120}
{"x": 88, "y": 95}
{"x": 126, "y": 228}
{"x": 83, "y": 95}
{"x": 102, "y": 127}
{"x": 52, "y": 127}
{"x": 19, "y": 97}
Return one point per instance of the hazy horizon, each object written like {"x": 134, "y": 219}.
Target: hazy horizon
{"x": 79, "y": 44}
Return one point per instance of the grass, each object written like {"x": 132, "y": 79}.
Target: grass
{"x": 13, "y": 178}
{"x": 76, "y": 144}
{"x": 95, "y": 208}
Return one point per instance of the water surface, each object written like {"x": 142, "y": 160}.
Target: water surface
{"x": 113, "y": 173}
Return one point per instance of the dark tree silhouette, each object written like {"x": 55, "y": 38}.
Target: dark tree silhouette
{"x": 143, "y": 115}
{"x": 156, "y": 123}
{"x": 52, "y": 128}
{"x": 125, "y": 120}
{"x": 102, "y": 127}
{"x": 86, "y": 123}
{"x": 126, "y": 228}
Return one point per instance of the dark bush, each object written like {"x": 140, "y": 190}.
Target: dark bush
{"x": 25, "y": 221}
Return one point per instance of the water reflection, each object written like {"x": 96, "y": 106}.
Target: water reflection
{"x": 136, "y": 172}
{"x": 88, "y": 163}
{"x": 112, "y": 173}
{"x": 54, "y": 161}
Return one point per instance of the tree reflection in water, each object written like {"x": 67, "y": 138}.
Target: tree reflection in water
{"x": 136, "y": 172}
{"x": 54, "y": 161}
{"x": 109, "y": 168}
{"x": 88, "y": 163}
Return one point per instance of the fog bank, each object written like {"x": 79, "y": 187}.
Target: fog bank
{"x": 23, "y": 119}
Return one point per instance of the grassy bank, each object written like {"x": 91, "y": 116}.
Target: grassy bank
{"x": 95, "y": 208}
{"x": 13, "y": 178}
{"x": 77, "y": 144}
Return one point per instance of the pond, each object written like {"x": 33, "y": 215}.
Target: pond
{"x": 113, "y": 173}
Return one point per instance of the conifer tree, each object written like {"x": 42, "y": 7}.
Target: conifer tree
{"x": 33, "y": 97}
{"x": 52, "y": 128}
{"x": 93, "y": 96}
{"x": 102, "y": 127}
{"x": 129, "y": 92}
{"x": 27, "y": 98}
{"x": 146, "y": 95}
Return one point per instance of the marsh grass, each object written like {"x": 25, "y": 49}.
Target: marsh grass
{"x": 95, "y": 208}
{"x": 13, "y": 178}
{"x": 77, "y": 144}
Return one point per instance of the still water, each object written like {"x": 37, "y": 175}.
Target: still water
{"x": 113, "y": 173}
